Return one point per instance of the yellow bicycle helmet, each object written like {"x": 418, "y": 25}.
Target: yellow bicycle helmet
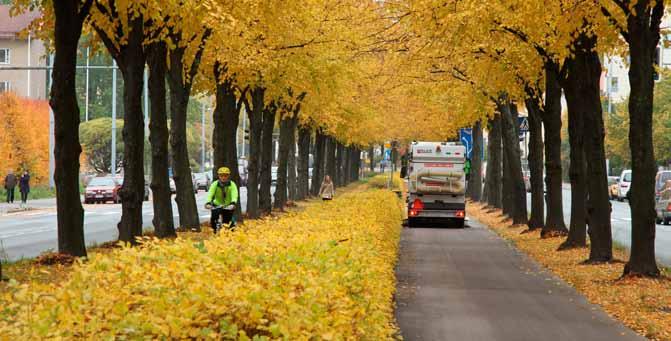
{"x": 223, "y": 170}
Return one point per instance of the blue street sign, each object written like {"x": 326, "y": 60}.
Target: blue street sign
{"x": 387, "y": 154}
{"x": 466, "y": 137}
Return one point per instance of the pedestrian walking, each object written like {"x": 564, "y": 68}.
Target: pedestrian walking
{"x": 24, "y": 187}
{"x": 326, "y": 191}
{"x": 10, "y": 183}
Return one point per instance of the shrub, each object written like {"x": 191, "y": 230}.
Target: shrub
{"x": 326, "y": 272}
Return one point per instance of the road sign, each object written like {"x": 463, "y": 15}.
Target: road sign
{"x": 466, "y": 137}
{"x": 523, "y": 123}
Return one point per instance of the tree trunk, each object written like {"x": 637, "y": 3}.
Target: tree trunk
{"x": 265, "y": 174}
{"x": 537, "y": 219}
{"x": 303, "y": 162}
{"x": 475, "y": 182}
{"x": 291, "y": 162}
{"x": 255, "y": 113}
{"x": 643, "y": 31}
{"x": 511, "y": 147}
{"x": 554, "y": 221}
{"x": 577, "y": 235}
{"x": 180, "y": 90}
{"x": 340, "y": 165}
{"x": 226, "y": 117}
{"x": 331, "y": 160}
{"x": 507, "y": 195}
{"x": 63, "y": 101}
{"x": 131, "y": 61}
{"x": 371, "y": 157}
{"x": 164, "y": 225}
{"x": 286, "y": 139}
{"x": 494, "y": 173}
{"x": 356, "y": 164}
{"x": 318, "y": 169}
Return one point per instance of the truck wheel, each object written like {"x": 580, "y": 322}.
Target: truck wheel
{"x": 667, "y": 221}
{"x": 460, "y": 224}
{"x": 659, "y": 221}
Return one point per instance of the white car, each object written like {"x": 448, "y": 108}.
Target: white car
{"x": 624, "y": 185}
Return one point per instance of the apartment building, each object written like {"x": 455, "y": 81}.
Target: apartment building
{"x": 21, "y": 51}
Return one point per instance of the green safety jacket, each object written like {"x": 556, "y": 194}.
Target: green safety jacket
{"x": 223, "y": 194}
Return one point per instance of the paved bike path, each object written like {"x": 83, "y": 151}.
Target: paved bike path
{"x": 469, "y": 284}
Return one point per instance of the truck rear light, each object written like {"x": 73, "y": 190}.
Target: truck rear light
{"x": 460, "y": 214}
{"x": 417, "y": 205}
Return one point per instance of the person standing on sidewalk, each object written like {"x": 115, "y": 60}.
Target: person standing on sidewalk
{"x": 24, "y": 187}
{"x": 10, "y": 183}
{"x": 326, "y": 191}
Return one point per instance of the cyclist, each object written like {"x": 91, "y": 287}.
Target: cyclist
{"x": 222, "y": 199}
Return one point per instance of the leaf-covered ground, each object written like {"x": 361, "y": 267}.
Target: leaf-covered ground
{"x": 325, "y": 272}
{"x": 644, "y": 305}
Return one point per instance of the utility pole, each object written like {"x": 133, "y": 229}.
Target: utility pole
{"x": 52, "y": 138}
{"x": 202, "y": 138}
{"x": 113, "y": 163}
{"x": 86, "y": 100}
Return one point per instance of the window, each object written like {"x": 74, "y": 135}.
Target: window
{"x": 4, "y": 56}
{"x": 4, "y": 86}
{"x": 614, "y": 82}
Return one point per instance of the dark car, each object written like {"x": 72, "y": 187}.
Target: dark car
{"x": 102, "y": 189}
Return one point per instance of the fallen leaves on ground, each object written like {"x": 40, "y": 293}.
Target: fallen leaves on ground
{"x": 642, "y": 304}
{"x": 326, "y": 272}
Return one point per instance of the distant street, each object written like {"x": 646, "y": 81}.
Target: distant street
{"x": 621, "y": 226}
{"x": 27, "y": 234}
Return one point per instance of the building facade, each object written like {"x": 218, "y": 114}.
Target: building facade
{"x": 19, "y": 51}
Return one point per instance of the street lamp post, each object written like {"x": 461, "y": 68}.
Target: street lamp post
{"x": 113, "y": 163}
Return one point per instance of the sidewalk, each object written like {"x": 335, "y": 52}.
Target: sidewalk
{"x": 6, "y": 208}
{"x": 469, "y": 284}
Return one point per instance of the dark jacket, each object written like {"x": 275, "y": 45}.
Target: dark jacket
{"x": 10, "y": 181}
{"x": 24, "y": 183}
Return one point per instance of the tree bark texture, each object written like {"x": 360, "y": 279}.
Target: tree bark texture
{"x": 340, "y": 165}
{"x": 163, "y": 222}
{"x": 303, "y": 164}
{"x": 507, "y": 195}
{"x": 226, "y": 117}
{"x": 554, "y": 221}
{"x": 537, "y": 219}
{"x": 318, "y": 169}
{"x": 494, "y": 161}
{"x": 643, "y": 37}
{"x": 292, "y": 191}
{"x": 577, "y": 235}
{"x": 67, "y": 149}
{"x": 286, "y": 139}
{"x": 371, "y": 157}
{"x": 331, "y": 160}
{"x": 475, "y": 182}
{"x": 180, "y": 90}
{"x": 255, "y": 113}
{"x": 267, "y": 158}
{"x": 511, "y": 147}
{"x": 131, "y": 59}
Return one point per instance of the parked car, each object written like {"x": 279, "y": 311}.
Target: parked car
{"x": 660, "y": 181}
{"x": 612, "y": 187}
{"x": 623, "y": 184}
{"x": 663, "y": 204}
{"x": 102, "y": 189}
{"x": 202, "y": 181}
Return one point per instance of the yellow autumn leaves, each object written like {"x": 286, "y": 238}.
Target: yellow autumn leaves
{"x": 325, "y": 272}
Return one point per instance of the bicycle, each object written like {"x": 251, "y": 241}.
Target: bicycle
{"x": 231, "y": 225}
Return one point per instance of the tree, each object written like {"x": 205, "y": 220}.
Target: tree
{"x": 533, "y": 104}
{"x": 69, "y": 19}
{"x": 96, "y": 138}
{"x": 641, "y": 31}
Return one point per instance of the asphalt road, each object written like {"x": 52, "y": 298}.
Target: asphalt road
{"x": 621, "y": 226}
{"x": 27, "y": 234}
{"x": 469, "y": 284}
